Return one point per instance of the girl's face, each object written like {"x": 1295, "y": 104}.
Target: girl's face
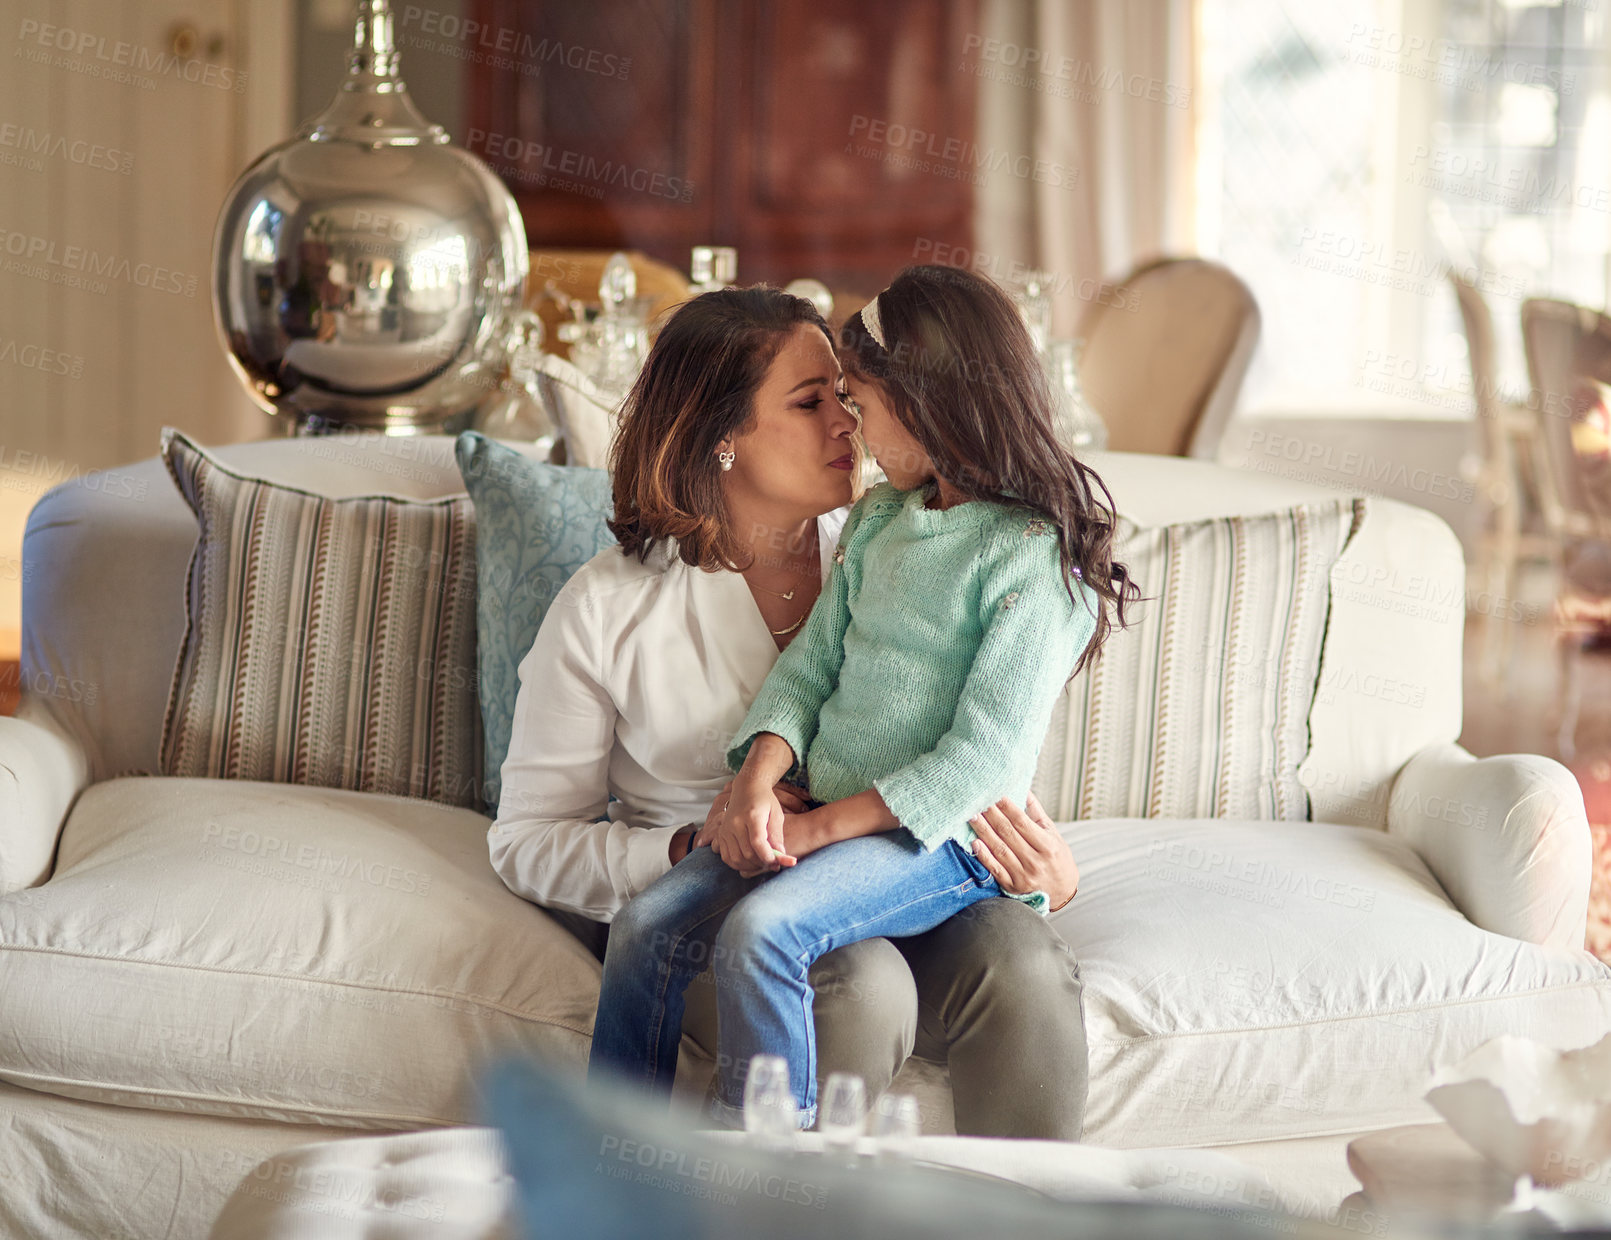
{"x": 897, "y": 451}
{"x": 797, "y": 458}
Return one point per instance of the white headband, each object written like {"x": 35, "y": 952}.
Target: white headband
{"x": 869, "y": 319}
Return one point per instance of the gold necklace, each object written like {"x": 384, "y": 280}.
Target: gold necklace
{"x": 789, "y": 597}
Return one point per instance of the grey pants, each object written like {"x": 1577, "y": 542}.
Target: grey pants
{"x": 994, "y": 993}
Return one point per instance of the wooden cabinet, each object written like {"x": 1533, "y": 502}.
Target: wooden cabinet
{"x": 830, "y": 138}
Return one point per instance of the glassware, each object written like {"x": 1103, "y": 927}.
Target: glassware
{"x": 1079, "y": 426}
{"x": 610, "y": 342}
{"x": 770, "y": 1113}
{"x": 1035, "y": 304}
{"x": 517, "y": 409}
{"x": 897, "y": 1123}
{"x": 618, "y": 285}
{"x": 842, "y": 1115}
{"x": 713, "y": 267}
{"x": 814, "y": 291}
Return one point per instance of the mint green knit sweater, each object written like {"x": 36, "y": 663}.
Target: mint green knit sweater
{"x": 930, "y": 664}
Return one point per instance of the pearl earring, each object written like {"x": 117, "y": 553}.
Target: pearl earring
{"x": 726, "y": 457}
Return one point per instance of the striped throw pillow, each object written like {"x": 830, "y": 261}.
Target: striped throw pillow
{"x": 329, "y": 641}
{"x": 1200, "y": 707}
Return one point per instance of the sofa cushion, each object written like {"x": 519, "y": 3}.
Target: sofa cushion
{"x": 329, "y": 642}
{"x": 1200, "y": 706}
{"x": 536, "y": 524}
{"x": 266, "y": 950}
{"x": 1249, "y": 984}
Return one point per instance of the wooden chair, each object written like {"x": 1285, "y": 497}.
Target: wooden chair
{"x": 1505, "y": 433}
{"x": 1568, "y": 350}
{"x": 1166, "y": 351}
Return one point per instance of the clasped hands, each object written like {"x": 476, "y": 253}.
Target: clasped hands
{"x": 760, "y": 831}
{"x": 748, "y": 827}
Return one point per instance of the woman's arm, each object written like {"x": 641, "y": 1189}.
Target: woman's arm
{"x": 551, "y": 842}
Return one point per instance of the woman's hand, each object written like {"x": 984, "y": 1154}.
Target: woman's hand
{"x": 1024, "y": 852}
{"x": 807, "y": 830}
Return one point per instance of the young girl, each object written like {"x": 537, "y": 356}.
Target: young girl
{"x": 965, "y": 591}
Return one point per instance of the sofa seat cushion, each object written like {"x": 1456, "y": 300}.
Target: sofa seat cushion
{"x": 292, "y": 953}
{"x": 1258, "y": 981}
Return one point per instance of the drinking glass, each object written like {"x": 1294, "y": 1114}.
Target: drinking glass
{"x": 897, "y": 1122}
{"x": 842, "y": 1115}
{"x": 770, "y": 1113}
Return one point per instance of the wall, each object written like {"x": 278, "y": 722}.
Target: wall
{"x": 1425, "y": 462}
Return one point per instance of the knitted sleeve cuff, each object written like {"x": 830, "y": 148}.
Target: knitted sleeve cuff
{"x": 790, "y": 720}
{"x": 931, "y": 819}
{"x": 1035, "y": 899}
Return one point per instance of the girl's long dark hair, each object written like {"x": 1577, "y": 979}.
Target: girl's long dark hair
{"x": 962, "y": 376}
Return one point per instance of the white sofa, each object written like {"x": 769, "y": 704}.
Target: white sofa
{"x": 200, "y": 974}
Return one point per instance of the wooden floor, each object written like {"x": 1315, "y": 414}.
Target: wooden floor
{"x": 1521, "y": 712}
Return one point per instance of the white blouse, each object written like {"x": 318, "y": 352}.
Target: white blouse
{"x": 628, "y": 700}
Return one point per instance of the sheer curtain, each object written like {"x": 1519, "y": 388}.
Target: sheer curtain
{"x": 1113, "y": 96}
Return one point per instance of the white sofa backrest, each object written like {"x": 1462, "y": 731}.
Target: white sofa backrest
{"x": 105, "y": 559}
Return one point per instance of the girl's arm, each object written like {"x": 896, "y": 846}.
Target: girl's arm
{"x": 551, "y": 842}
{"x": 805, "y": 674}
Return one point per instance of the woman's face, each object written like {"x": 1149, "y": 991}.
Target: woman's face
{"x": 797, "y": 457}
{"x": 897, "y": 451}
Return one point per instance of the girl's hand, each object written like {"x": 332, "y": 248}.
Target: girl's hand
{"x": 1024, "y": 852}
{"x": 750, "y": 835}
{"x": 791, "y": 798}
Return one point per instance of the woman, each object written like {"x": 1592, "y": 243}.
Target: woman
{"x": 732, "y": 467}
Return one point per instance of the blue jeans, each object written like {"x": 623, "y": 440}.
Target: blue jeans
{"x": 760, "y": 936}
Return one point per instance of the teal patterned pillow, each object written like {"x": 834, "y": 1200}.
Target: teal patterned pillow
{"x": 536, "y": 524}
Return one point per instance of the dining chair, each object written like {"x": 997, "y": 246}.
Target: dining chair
{"x": 1505, "y": 433}
{"x": 1166, "y": 351}
{"x": 1568, "y": 351}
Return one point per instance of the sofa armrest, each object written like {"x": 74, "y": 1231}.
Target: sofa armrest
{"x": 42, "y": 770}
{"x": 1507, "y": 837}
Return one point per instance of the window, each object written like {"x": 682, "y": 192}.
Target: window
{"x": 1352, "y": 151}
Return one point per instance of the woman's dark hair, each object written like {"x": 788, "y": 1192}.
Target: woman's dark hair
{"x": 696, "y": 389}
{"x": 960, "y": 373}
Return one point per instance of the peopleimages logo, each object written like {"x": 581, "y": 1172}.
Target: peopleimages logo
{"x": 925, "y": 151}
{"x": 510, "y": 46}
{"x": 76, "y": 265}
{"x": 314, "y": 858}
{"x": 27, "y": 141}
{"x": 116, "y": 60}
{"x": 551, "y": 165}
